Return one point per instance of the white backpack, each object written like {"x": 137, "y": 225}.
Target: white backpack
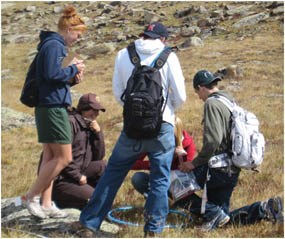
{"x": 248, "y": 143}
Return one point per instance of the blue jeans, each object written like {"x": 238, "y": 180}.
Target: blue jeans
{"x": 160, "y": 151}
{"x": 248, "y": 214}
{"x": 219, "y": 191}
{"x": 140, "y": 181}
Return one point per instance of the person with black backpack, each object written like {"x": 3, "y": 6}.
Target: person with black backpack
{"x": 148, "y": 82}
{"x": 53, "y": 127}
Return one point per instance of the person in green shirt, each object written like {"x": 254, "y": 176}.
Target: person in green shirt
{"x": 219, "y": 181}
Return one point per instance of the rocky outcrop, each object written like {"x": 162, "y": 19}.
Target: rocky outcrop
{"x": 109, "y": 23}
{"x": 14, "y": 119}
{"x": 19, "y": 219}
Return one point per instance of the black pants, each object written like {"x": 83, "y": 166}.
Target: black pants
{"x": 66, "y": 193}
{"x": 219, "y": 191}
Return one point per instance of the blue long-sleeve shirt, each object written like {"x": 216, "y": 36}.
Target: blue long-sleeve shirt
{"x": 54, "y": 88}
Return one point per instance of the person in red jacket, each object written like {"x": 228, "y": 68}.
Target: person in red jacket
{"x": 185, "y": 151}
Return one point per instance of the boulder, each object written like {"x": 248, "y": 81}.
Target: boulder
{"x": 13, "y": 119}
{"x": 18, "y": 218}
{"x": 252, "y": 20}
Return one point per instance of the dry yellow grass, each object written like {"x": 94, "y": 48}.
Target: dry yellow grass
{"x": 260, "y": 57}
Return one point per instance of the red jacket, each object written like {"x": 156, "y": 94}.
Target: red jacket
{"x": 188, "y": 145}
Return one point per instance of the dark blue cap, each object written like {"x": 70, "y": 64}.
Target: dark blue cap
{"x": 203, "y": 78}
{"x": 155, "y": 30}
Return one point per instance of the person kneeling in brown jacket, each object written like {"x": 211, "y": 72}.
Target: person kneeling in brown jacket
{"x": 74, "y": 186}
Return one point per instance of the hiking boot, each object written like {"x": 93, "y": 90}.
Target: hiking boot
{"x": 80, "y": 230}
{"x": 54, "y": 212}
{"x": 219, "y": 220}
{"x": 34, "y": 207}
{"x": 273, "y": 208}
{"x": 150, "y": 234}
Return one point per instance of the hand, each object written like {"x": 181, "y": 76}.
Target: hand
{"x": 186, "y": 166}
{"x": 180, "y": 152}
{"x": 94, "y": 126}
{"x": 78, "y": 77}
{"x": 83, "y": 180}
{"x": 80, "y": 66}
{"x": 75, "y": 61}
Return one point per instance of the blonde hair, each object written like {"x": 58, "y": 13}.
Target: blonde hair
{"x": 178, "y": 131}
{"x": 71, "y": 19}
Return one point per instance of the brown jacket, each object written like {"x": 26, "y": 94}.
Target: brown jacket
{"x": 87, "y": 146}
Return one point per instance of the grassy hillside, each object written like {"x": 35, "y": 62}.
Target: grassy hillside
{"x": 260, "y": 55}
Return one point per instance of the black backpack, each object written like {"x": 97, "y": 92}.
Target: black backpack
{"x": 30, "y": 91}
{"x": 143, "y": 98}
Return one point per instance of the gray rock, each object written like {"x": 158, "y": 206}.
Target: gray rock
{"x": 192, "y": 41}
{"x": 278, "y": 11}
{"x": 30, "y": 8}
{"x": 103, "y": 48}
{"x": 202, "y": 10}
{"x": 190, "y": 31}
{"x": 14, "y": 119}
{"x": 5, "y": 4}
{"x": 57, "y": 9}
{"x": 184, "y": 12}
{"x": 6, "y": 74}
{"x": 196, "y": 41}
{"x": 251, "y": 20}
{"x": 241, "y": 10}
{"x": 18, "y": 216}
{"x": 218, "y": 30}
{"x": 150, "y": 16}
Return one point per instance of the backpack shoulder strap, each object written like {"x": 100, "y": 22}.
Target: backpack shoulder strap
{"x": 134, "y": 57}
{"x": 229, "y": 104}
{"x": 162, "y": 58}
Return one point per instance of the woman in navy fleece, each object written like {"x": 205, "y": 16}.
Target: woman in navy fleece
{"x": 52, "y": 122}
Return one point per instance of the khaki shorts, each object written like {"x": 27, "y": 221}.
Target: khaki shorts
{"x": 53, "y": 125}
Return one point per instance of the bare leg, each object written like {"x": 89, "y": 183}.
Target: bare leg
{"x": 46, "y": 196}
{"x": 55, "y": 158}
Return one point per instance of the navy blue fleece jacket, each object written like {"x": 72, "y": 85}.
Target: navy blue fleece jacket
{"x": 54, "y": 88}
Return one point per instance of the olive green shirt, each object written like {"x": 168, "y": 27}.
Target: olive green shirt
{"x": 217, "y": 123}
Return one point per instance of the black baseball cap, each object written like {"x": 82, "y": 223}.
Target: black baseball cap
{"x": 204, "y": 77}
{"x": 155, "y": 30}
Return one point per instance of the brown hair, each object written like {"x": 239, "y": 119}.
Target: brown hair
{"x": 178, "y": 131}
{"x": 71, "y": 19}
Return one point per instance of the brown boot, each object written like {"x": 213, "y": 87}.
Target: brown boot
{"x": 150, "y": 234}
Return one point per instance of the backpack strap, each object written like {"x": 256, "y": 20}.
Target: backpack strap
{"x": 159, "y": 63}
{"x": 228, "y": 103}
{"x": 162, "y": 58}
{"x": 134, "y": 57}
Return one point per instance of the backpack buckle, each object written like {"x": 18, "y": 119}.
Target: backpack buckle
{"x": 135, "y": 60}
{"x": 159, "y": 63}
